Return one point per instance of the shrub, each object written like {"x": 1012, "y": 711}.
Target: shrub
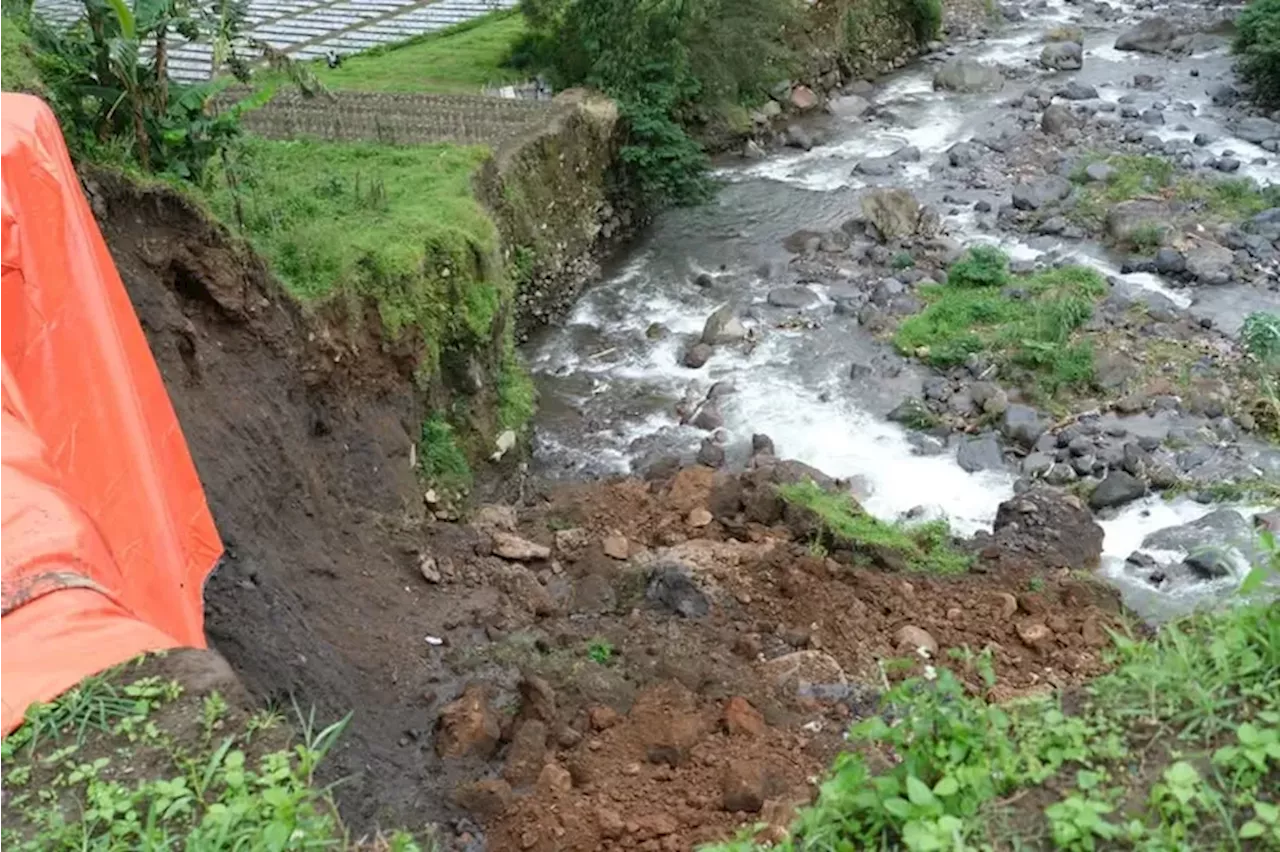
{"x": 669, "y": 65}
{"x": 981, "y": 266}
{"x": 1261, "y": 335}
{"x": 926, "y": 19}
{"x": 440, "y": 458}
{"x": 1257, "y": 45}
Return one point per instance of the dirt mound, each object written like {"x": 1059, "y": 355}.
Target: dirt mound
{"x": 613, "y": 665}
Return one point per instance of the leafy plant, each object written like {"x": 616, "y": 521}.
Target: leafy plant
{"x": 440, "y": 458}
{"x": 600, "y": 651}
{"x": 670, "y": 65}
{"x": 980, "y": 266}
{"x": 1257, "y": 44}
{"x": 1261, "y": 335}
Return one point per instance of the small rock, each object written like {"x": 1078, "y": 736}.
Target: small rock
{"x": 610, "y": 823}
{"x": 513, "y": 547}
{"x": 1062, "y": 56}
{"x": 699, "y": 517}
{"x": 673, "y": 589}
{"x": 429, "y": 569}
{"x": 740, "y": 718}
{"x": 1118, "y": 488}
{"x": 909, "y": 639}
{"x": 487, "y": 798}
{"x": 742, "y": 786}
{"x": 616, "y": 547}
{"x": 602, "y": 717}
{"x": 697, "y": 355}
{"x": 468, "y": 725}
{"x": 1034, "y": 634}
{"x": 554, "y": 780}
{"x": 803, "y": 98}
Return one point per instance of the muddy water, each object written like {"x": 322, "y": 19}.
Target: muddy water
{"x": 611, "y": 377}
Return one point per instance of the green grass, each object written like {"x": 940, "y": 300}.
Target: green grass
{"x": 17, "y": 73}
{"x": 463, "y": 59}
{"x": 1177, "y": 748}
{"x": 1030, "y": 332}
{"x": 440, "y": 457}
{"x": 517, "y": 397}
{"x": 600, "y": 651}
{"x": 128, "y": 760}
{"x": 1136, "y": 176}
{"x": 398, "y": 225}
{"x": 922, "y": 547}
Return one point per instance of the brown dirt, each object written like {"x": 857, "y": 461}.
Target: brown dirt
{"x": 302, "y": 438}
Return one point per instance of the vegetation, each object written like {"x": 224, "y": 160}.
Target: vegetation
{"x": 1136, "y": 176}
{"x": 1027, "y": 324}
{"x": 17, "y": 72}
{"x": 126, "y": 761}
{"x": 669, "y": 65}
{"x": 1178, "y": 748}
{"x": 1261, "y": 336}
{"x": 440, "y": 457}
{"x": 461, "y": 59}
{"x": 1257, "y": 45}
{"x": 922, "y": 547}
{"x": 107, "y": 79}
{"x": 399, "y": 225}
{"x": 600, "y": 651}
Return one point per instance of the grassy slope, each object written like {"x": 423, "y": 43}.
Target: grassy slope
{"x": 462, "y": 59}
{"x": 17, "y": 74}
{"x": 399, "y": 224}
{"x": 1177, "y": 749}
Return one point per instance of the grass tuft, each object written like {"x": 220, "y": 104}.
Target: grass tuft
{"x": 921, "y": 547}
{"x": 440, "y": 457}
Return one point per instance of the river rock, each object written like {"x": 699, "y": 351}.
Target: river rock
{"x": 1023, "y": 424}
{"x": 911, "y": 412}
{"x": 1169, "y": 261}
{"x": 1154, "y": 35}
{"x": 1033, "y": 196}
{"x": 671, "y": 588}
{"x": 1130, "y": 221}
{"x": 723, "y": 326}
{"x": 803, "y": 98}
{"x": 792, "y": 296}
{"x": 968, "y": 75}
{"x": 849, "y": 106}
{"x": 964, "y": 154}
{"x": 1056, "y": 120}
{"x": 1047, "y": 528}
{"x": 1074, "y": 90}
{"x": 697, "y": 355}
{"x": 981, "y": 453}
{"x": 798, "y": 137}
{"x": 1221, "y": 533}
{"x": 1065, "y": 33}
{"x": 1062, "y": 56}
{"x": 1118, "y": 488}
{"x": 1209, "y": 263}
{"x": 989, "y": 396}
{"x": 1256, "y": 129}
{"x": 1099, "y": 172}
{"x": 895, "y": 213}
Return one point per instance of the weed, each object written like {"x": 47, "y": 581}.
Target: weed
{"x": 214, "y": 707}
{"x": 923, "y": 547}
{"x": 1147, "y": 237}
{"x": 1026, "y": 324}
{"x": 440, "y": 458}
{"x": 903, "y": 260}
{"x": 600, "y": 651}
{"x": 980, "y": 266}
{"x": 1036, "y": 584}
{"x": 1261, "y": 336}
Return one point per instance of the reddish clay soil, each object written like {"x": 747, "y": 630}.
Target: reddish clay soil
{"x": 548, "y": 698}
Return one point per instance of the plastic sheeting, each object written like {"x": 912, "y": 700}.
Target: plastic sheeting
{"x": 107, "y": 539}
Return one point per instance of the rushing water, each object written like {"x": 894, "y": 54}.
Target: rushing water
{"x": 610, "y": 389}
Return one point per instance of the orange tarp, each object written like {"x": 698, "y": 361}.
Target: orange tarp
{"x": 107, "y": 539}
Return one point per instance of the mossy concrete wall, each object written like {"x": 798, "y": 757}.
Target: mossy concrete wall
{"x": 555, "y": 196}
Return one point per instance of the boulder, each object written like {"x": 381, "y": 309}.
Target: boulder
{"x": 1056, "y": 120}
{"x": 468, "y": 726}
{"x": 1135, "y": 221}
{"x": 849, "y": 106}
{"x": 1023, "y": 424}
{"x": 968, "y": 75}
{"x": 1116, "y": 489}
{"x": 672, "y": 588}
{"x": 1214, "y": 544}
{"x": 798, "y": 137}
{"x": 913, "y": 413}
{"x": 964, "y": 154}
{"x": 894, "y": 213}
{"x": 1099, "y": 172}
{"x": 742, "y": 785}
{"x": 1062, "y": 56}
{"x": 723, "y": 326}
{"x": 1040, "y": 193}
{"x": 517, "y": 549}
{"x": 792, "y": 296}
{"x": 1047, "y": 528}
{"x": 1077, "y": 91}
{"x": 1256, "y": 129}
{"x": 981, "y": 453}
{"x": 697, "y": 355}
{"x": 1154, "y": 35}
{"x": 1209, "y": 263}
{"x": 803, "y": 98}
